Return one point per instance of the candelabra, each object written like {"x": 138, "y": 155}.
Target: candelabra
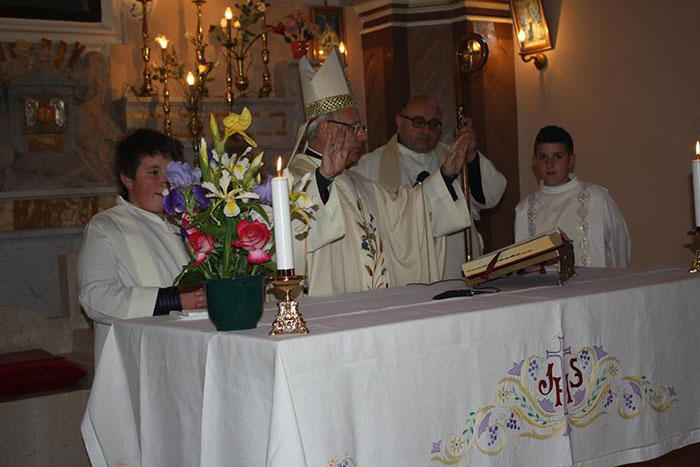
{"x": 192, "y": 105}
{"x": 289, "y": 319}
{"x": 199, "y": 47}
{"x": 146, "y": 88}
{"x": 266, "y": 87}
{"x": 695, "y": 265}
{"x": 163, "y": 72}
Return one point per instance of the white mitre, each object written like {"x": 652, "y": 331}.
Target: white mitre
{"x": 327, "y": 89}
{"x": 323, "y": 91}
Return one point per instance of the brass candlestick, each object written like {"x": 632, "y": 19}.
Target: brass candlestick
{"x": 192, "y": 105}
{"x": 167, "y": 124}
{"x": 146, "y": 88}
{"x": 695, "y": 265}
{"x": 266, "y": 87}
{"x": 229, "y": 60}
{"x": 199, "y": 47}
{"x": 288, "y": 319}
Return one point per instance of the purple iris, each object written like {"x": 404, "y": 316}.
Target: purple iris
{"x": 264, "y": 190}
{"x": 182, "y": 174}
{"x": 174, "y": 203}
{"x": 200, "y": 197}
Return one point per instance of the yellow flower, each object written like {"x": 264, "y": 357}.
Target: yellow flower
{"x": 455, "y": 445}
{"x": 502, "y": 394}
{"x": 613, "y": 370}
{"x": 238, "y": 123}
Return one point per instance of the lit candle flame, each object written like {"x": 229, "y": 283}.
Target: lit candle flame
{"x": 228, "y": 14}
{"x": 697, "y": 149}
{"x": 521, "y": 35}
{"x": 190, "y": 78}
{"x": 279, "y": 166}
{"x": 162, "y": 41}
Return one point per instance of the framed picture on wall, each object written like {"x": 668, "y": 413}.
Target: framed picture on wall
{"x": 530, "y": 25}
{"x": 330, "y": 21}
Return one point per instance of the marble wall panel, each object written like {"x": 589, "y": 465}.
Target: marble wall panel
{"x": 56, "y": 212}
{"x": 30, "y": 271}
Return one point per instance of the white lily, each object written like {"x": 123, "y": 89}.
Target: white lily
{"x": 227, "y": 196}
{"x": 240, "y": 168}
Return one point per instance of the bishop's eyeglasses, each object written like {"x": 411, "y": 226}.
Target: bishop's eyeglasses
{"x": 419, "y": 122}
{"x": 356, "y": 127}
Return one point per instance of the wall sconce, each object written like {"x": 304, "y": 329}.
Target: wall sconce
{"x": 539, "y": 57}
{"x": 532, "y": 31}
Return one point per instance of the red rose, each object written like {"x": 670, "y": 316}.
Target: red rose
{"x": 253, "y": 237}
{"x": 201, "y": 243}
{"x": 279, "y": 29}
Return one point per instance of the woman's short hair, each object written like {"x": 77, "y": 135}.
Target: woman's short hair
{"x": 140, "y": 143}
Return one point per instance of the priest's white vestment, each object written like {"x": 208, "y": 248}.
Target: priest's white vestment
{"x": 588, "y": 216}
{"x": 127, "y": 254}
{"x": 365, "y": 237}
{"x": 393, "y": 165}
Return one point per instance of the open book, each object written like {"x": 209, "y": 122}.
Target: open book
{"x": 520, "y": 255}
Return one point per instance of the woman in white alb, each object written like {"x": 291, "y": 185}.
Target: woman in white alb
{"x": 130, "y": 254}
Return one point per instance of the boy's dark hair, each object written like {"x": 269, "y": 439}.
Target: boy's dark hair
{"x": 554, "y": 134}
{"x": 138, "y": 144}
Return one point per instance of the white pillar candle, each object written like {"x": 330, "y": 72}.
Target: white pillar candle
{"x": 696, "y": 183}
{"x": 282, "y": 222}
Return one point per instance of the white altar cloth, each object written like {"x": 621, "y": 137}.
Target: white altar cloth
{"x": 601, "y": 371}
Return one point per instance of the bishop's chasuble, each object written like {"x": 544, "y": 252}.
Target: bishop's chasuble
{"x": 365, "y": 237}
{"x": 586, "y": 213}
{"x": 393, "y": 165}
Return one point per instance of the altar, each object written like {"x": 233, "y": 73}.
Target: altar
{"x": 600, "y": 371}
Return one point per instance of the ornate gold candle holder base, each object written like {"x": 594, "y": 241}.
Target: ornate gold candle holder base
{"x": 695, "y": 265}
{"x": 288, "y": 319}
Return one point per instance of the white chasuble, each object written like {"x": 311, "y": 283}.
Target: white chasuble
{"x": 394, "y": 165}
{"x": 587, "y": 215}
{"x": 366, "y": 237}
{"x": 127, "y": 254}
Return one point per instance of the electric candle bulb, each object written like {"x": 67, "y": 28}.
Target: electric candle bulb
{"x": 521, "y": 36}
{"x": 190, "y": 78}
{"x": 228, "y": 14}
{"x": 223, "y": 23}
{"x": 162, "y": 41}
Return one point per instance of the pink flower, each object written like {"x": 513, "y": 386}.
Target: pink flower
{"x": 253, "y": 237}
{"x": 201, "y": 243}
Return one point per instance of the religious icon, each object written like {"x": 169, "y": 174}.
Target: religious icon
{"x": 330, "y": 22}
{"x": 530, "y": 25}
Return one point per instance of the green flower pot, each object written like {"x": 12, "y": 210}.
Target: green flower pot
{"x": 235, "y": 303}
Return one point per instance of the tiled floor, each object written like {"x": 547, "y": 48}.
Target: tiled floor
{"x": 689, "y": 456}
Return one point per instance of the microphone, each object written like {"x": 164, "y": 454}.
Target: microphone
{"x": 421, "y": 176}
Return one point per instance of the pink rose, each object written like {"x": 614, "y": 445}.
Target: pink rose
{"x": 253, "y": 237}
{"x": 201, "y": 243}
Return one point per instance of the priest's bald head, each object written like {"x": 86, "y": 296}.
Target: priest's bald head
{"x": 329, "y": 102}
{"x": 419, "y": 124}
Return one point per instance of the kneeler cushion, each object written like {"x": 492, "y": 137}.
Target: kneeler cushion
{"x": 34, "y": 371}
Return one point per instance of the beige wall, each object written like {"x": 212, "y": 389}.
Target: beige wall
{"x": 624, "y": 79}
{"x": 176, "y": 17}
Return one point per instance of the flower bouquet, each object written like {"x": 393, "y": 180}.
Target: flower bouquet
{"x": 297, "y": 29}
{"x": 223, "y": 209}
